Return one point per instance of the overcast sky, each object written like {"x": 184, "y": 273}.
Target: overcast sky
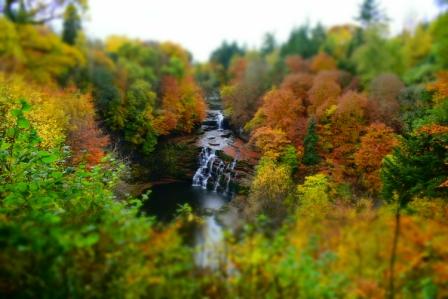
{"x": 201, "y": 25}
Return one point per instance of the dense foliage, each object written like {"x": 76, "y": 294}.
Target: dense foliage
{"x": 348, "y": 198}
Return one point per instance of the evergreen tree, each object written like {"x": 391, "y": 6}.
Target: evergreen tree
{"x": 72, "y": 24}
{"x": 370, "y": 13}
{"x": 418, "y": 166}
{"x": 304, "y": 41}
{"x": 310, "y": 156}
{"x": 224, "y": 54}
{"x": 269, "y": 44}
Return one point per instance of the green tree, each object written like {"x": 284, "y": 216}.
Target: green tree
{"x": 289, "y": 157}
{"x": 269, "y": 44}
{"x": 224, "y": 54}
{"x": 139, "y": 106}
{"x": 416, "y": 168}
{"x": 377, "y": 54}
{"x": 62, "y": 228}
{"x": 440, "y": 40}
{"x": 72, "y": 24}
{"x": 310, "y": 156}
{"x": 304, "y": 41}
{"x": 370, "y": 13}
{"x": 106, "y": 94}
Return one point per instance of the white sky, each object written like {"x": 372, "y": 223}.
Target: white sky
{"x": 201, "y": 25}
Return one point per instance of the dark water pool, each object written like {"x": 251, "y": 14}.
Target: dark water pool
{"x": 165, "y": 199}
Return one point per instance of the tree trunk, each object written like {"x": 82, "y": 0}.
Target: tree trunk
{"x": 393, "y": 255}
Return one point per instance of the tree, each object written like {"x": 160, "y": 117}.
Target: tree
{"x": 243, "y": 98}
{"x": 38, "y": 11}
{"x": 417, "y": 46}
{"x": 270, "y": 141}
{"x": 224, "y": 54}
{"x": 378, "y": 55}
{"x": 54, "y": 216}
{"x": 310, "y": 156}
{"x": 338, "y": 40}
{"x": 304, "y": 41}
{"x": 323, "y": 62}
{"x": 440, "y": 40}
{"x": 376, "y": 143}
{"x": 383, "y": 100}
{"x": 87, "y": 142}
{"x": 269, "y": 44}
{"x": 36, "y": 53}
{"x": 296, "y": 64}
{"x": 370, "y": 13}
{"x": 289, "y": 158}
{"x": 313, "y": 195}
{"x": 299, "y": 84}
{"x": 325, "y": 88}
{"x": 270, "y": 189}
{"x": 72, "y": 24}
{"x": 345, "y": 127}
{"x": 140, "y": 100}
{"x": 282, "y": 110}
{"x": 106, "y": 95}
{"x": 439, "y": 88}
{"x": 416, "y": 168}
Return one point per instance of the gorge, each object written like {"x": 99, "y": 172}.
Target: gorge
{"x": 211, "y": 188}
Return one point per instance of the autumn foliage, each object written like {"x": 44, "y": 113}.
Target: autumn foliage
{"x": 377, "y": 142}
{"x": 439, "y": 87}
{"x": 341, "y": 142}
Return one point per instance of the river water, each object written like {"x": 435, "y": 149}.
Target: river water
{"x": 210, "y": 189}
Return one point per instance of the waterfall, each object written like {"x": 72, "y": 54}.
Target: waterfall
{"x": 212, "y": 246}
{"x": 215, "y": 176}
{"x": 219, "y": 120}
{"x": 213, "y": 173}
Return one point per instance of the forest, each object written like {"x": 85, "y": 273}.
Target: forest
{"x": 329, "y": 149}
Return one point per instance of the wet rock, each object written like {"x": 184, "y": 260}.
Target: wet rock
{"x": 210, "y": 123}
{"x": 208, "y": 128}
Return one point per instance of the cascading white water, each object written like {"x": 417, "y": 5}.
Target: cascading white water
{"x": 219, "y": 120}
{"x": 215, "y": 177}
{"x": 211, "y": 252}
{"x": 212, "y": 170}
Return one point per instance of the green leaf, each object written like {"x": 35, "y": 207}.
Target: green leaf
{"x": 23, "y": 123}
{"x": 57, "y": 175}
{"x": 10, "y": 132}
{"x": 87, "y": 241}
{"x": 49, "y": 159}
{"x": 5, "y": 146}
{"x": 21, "y": 187}
{"x": 25, "y": 105}
{"x": 16, "y": 112}
{"x": 91, "y": 239}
